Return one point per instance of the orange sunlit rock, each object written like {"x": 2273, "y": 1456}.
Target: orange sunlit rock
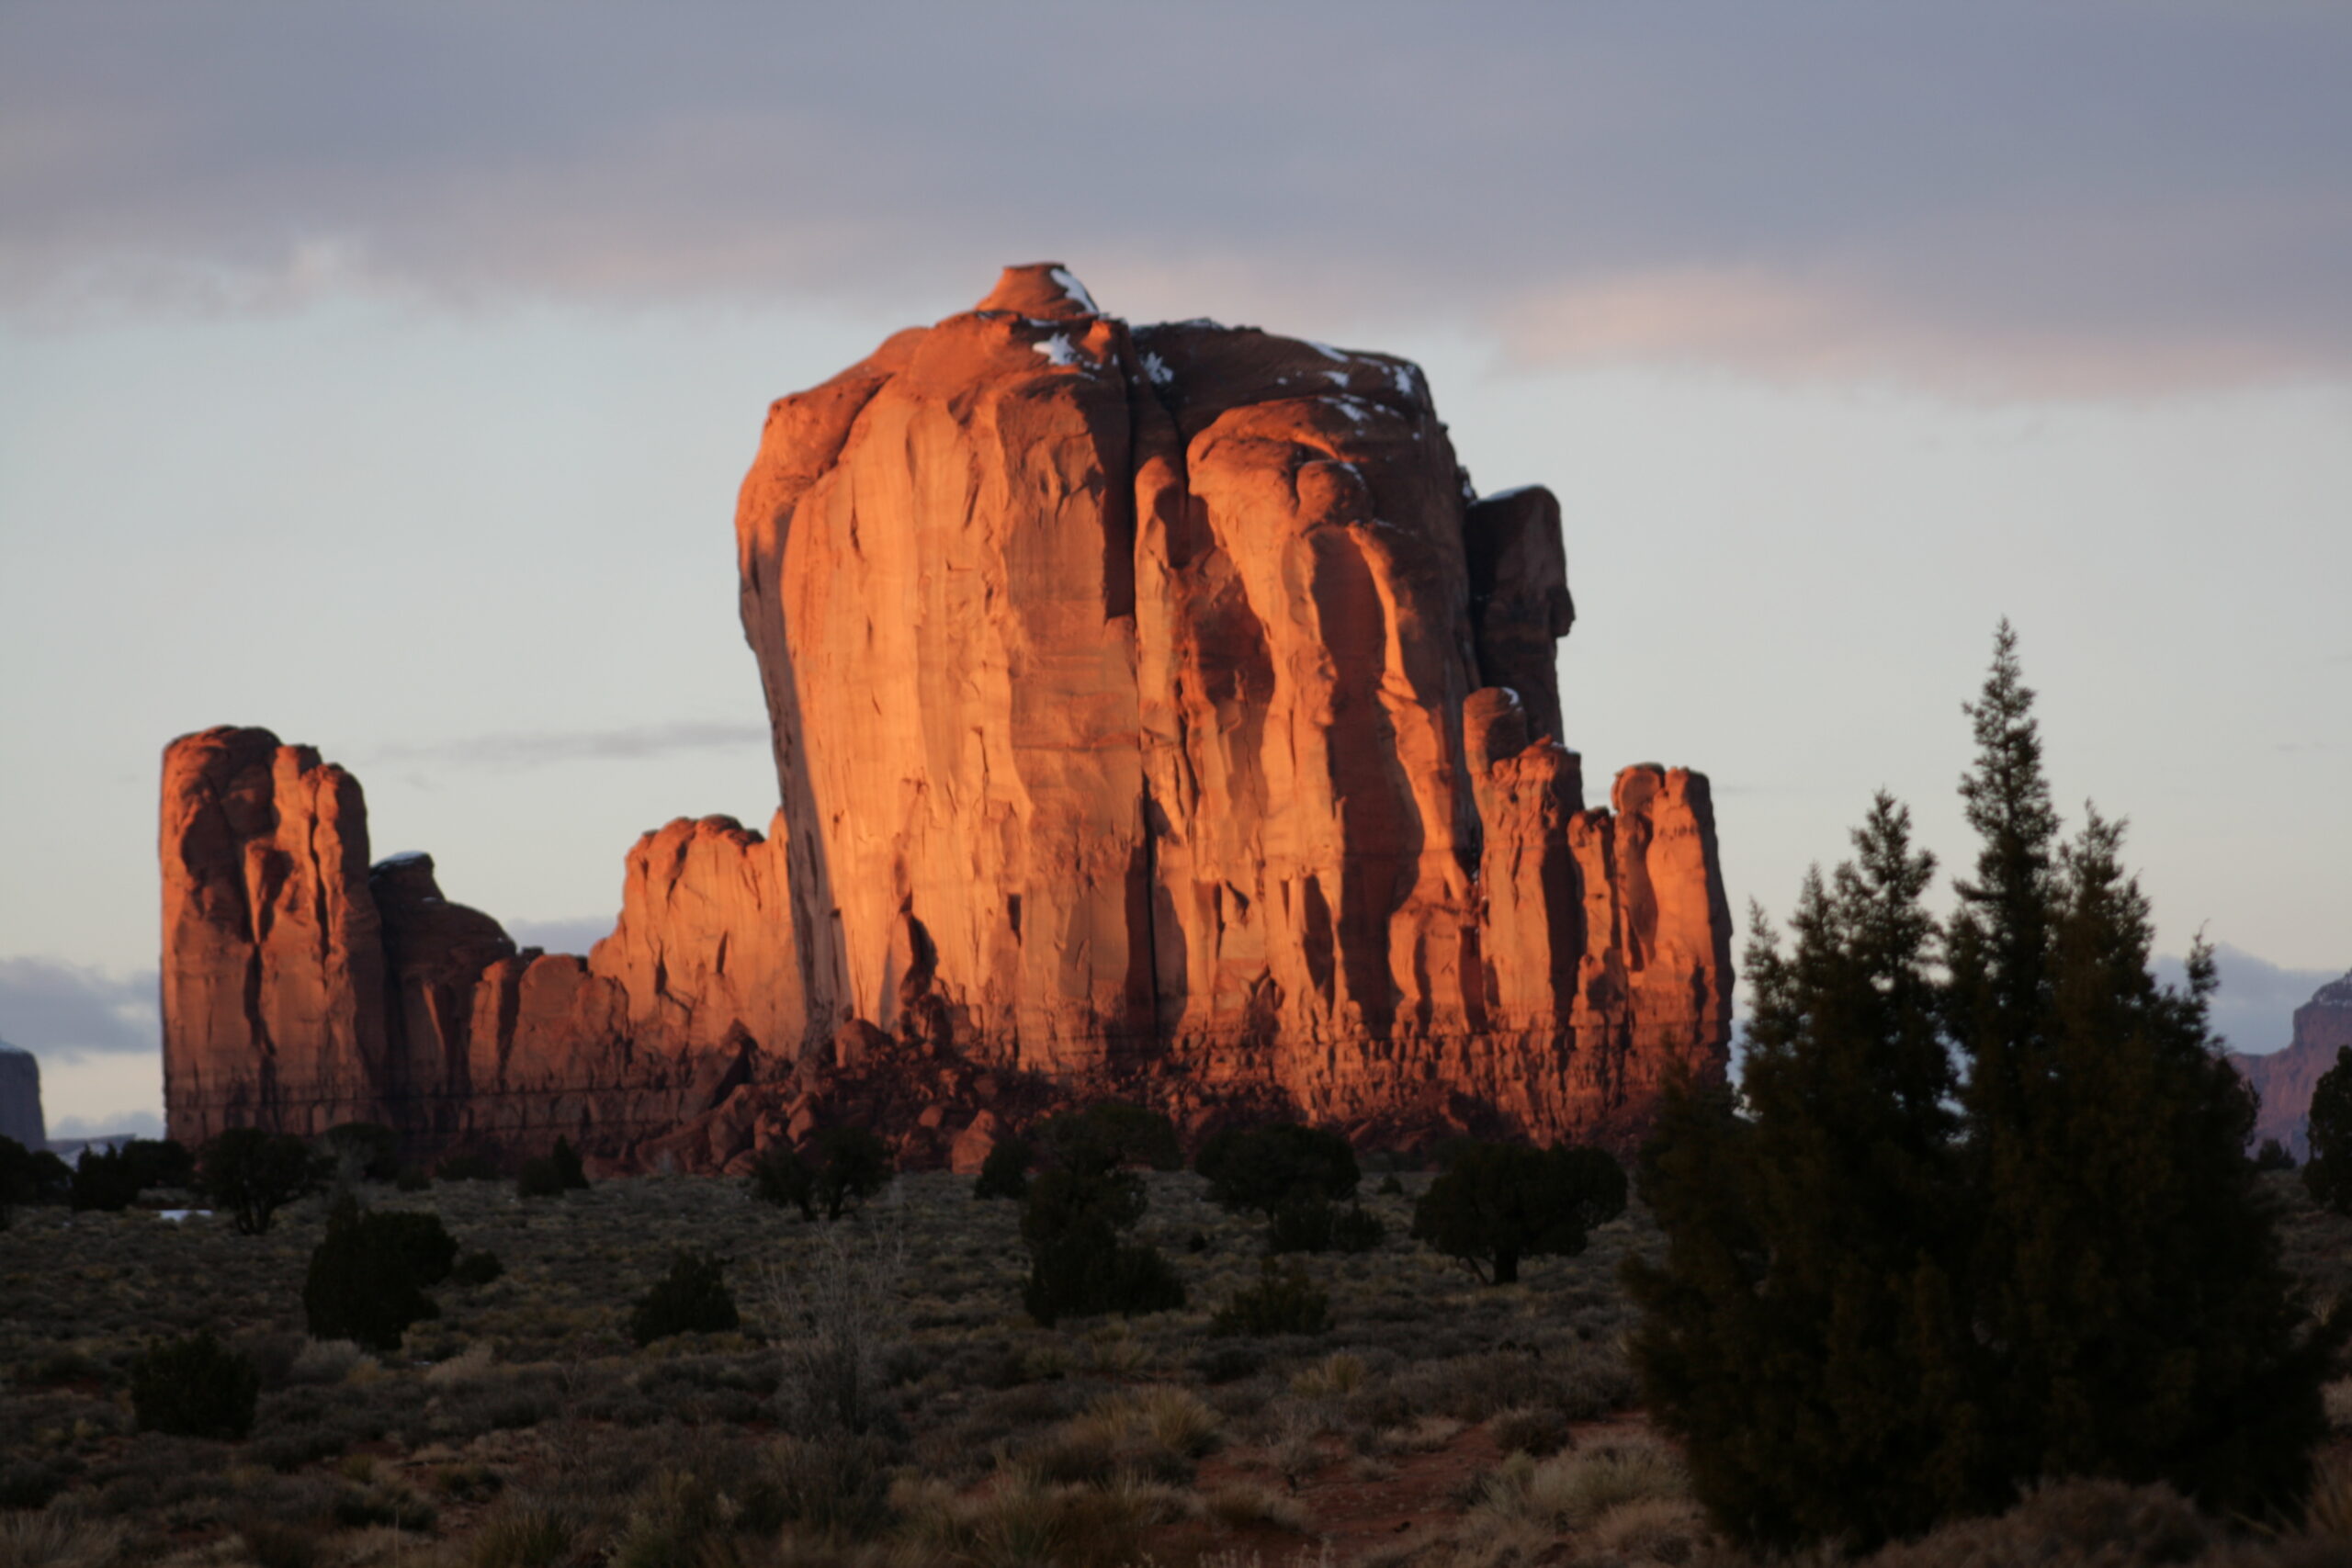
{"x": 1157, "y": 711}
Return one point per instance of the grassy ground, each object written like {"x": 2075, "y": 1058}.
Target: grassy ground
{"x": 1438, "y": 1422}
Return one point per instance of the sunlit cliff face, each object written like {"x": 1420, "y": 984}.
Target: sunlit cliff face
{"x": 1153, "y": 706}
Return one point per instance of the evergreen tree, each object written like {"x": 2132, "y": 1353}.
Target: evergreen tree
{"x": 1802, "y": 1337}
{"x": 2128, "y": 1280}
{"x": 1874, "y": 1311}
{"x": 2329, "y": 1173}
{"x": 1497, "y": 1203}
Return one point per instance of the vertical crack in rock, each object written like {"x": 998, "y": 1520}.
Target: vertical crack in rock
{"x": 1155, "y": 711}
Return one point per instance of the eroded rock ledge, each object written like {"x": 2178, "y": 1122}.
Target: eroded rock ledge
{"x": 1157, "y": 711}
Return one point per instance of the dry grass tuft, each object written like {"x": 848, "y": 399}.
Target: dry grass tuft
{"x": 50, "y": 1540}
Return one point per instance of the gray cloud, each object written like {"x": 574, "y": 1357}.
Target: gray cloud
{"x": 60, "y": 1011}
{"x": 2254, "y": 1008}
{"x": 2094, "y": 196}
{"x": 633, "y": 743}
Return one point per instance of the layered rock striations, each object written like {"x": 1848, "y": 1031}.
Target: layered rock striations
{"x": 1156, "y": 710}
{"x": 2283, "y": 1080}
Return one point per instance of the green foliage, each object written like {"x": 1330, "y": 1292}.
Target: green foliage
{"x": 1005, "y": 1173}
{"x": 1111, "y": 1133}
{"x": 1284, "y": 1301}
{"x": 30, "y": 1176}
{"x": 2273, "y": 1155}
{"x": 252, "y": 1174}
{"x": 692, "y": 1298}
{"x": 1264, "y": 1168}
{"x": 853, "y": 1164}
{"x": 2328, "y": 1172}
{"x": 1494, "y": 1204}
{"x": 1802, "y": 1336}
{"x": 368, "y": 1276}
{"x": 112, "y": 1179}
{"x": 362, "y": 1151}
{"x": 1072, "y": 1224}
{"x": 102, "y": 1180}
{"x": 1975, "y": 1228}
{"x": 782, "y": 1176}
{"x": 193, "y": 1388}
{"x": 1317, "y": 1224}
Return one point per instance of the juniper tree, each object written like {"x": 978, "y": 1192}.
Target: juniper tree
{"x": 2327, "y": 1174}
{"x": 2128, "y": 1278}
{"x": 1873, "y": 1312}
{"x": 1803, "y": 1336}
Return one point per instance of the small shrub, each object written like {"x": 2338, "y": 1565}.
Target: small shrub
{"x": 1574, "y": 1490}
{"x": 366, "y": 1279}
{"x": 552, "y": 1175}
{"x": 1005, "y": 1173}
{"x": 193, "y": 1388}
{"x": 1287, "y": 1301}
{"x": 362, "y": 1151}
{"x": 411, "y": 1178}
{"x": 1265, "y": 1169}
{"x": 254, "y": 1174}
{"x": 1354, "y": 1230}
{"x": 521, "y": 1536}
{"x": 837, "y": 1488}
{"x": 1332, "y": 1377}
{"x": 477, "y": 1269}
{"x": 837, "y": 1317}
{"x": 1303, "y": 1224}
{"x": 1248, "y": 1506}
{"x": 49, "y": 1540}
{"x": 1076, "y": 1277}
{"x": 853, "y": 1164}
{"x": 1390, "y": 1186}
{"x": 1537, "y": 1431}
{"x": 538, "y": 1179}
{"x": 693, "y": 1298}
{"x": 1497, "y": 1203}
{"x": 467, "y": 1164}
{"x": 1110, "y": 1134}
{"x": 781, "y": 1177}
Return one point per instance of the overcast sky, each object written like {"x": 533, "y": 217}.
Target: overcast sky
{"x": 383, "y": 376}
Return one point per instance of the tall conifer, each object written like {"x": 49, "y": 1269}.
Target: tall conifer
{"x": 1893, "y": 1291}
{"x": 1803, "y": 1338}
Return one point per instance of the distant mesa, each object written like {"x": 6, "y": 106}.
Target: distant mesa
{"x": 1157, "y": 711}
{"x": 2284, "y": 1079}
{"x": 21, "y": 1115}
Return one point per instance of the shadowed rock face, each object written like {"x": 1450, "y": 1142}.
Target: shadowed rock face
{"x": 2283, "y": 1080}
{"x": 21, "y": 1115}
{"x": 1155, "y": 711}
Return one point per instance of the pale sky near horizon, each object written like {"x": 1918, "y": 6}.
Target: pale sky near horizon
{"x": 384, "y": 377}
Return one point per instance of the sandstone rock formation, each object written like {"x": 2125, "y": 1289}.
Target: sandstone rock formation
{"x": 2284, "y": 1079}
{"x": 20, "y": 1116}
{"x": 1157, "y": 711}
